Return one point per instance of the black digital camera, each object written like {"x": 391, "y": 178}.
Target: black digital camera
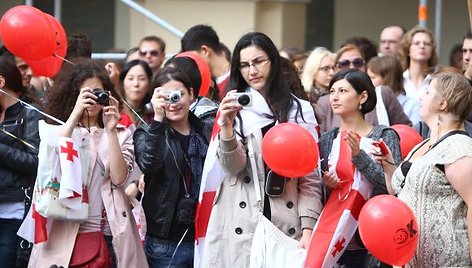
{"x": 103, "y": 98}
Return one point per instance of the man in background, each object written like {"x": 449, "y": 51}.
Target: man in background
{"x": 390, "y": 39}
{"x": 204, "y": 40}
{"x": 152, "y": 50}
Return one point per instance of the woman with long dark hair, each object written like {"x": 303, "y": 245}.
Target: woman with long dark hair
{"x": 250, "y": 191}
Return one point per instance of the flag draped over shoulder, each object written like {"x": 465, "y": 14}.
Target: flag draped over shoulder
{"x": 60, "y": 190}
{"x": 255, "y": 117}
{"x": 338, "y": 221}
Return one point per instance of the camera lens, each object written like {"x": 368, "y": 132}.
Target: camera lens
{"x": 102, "y": 98}
{"x": 174, "y": 98}
{"x": 244, "y": 100}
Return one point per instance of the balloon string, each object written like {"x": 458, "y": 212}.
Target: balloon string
{"x": 64, "y": 59}
{"x": 29, "y": 106}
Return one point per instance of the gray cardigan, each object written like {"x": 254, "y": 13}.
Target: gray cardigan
{"x": 372, "y": 171}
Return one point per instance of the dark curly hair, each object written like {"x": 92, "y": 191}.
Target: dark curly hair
{"x": 61, "y": 98}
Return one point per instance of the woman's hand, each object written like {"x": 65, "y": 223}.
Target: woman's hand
{"x": 227, "y": 113}
{"x": 110, "y": 114}
{"x": 132, "y": 190}
{"x": 352, "y": 139}
{"x": 86, "y": 99}
{"x": 113, "y": 73}
{"x": 305, "y": 240}
{"x": 330, "y": 180}
{"x": 159, "y": 104}
{"x": 386, "y": 161}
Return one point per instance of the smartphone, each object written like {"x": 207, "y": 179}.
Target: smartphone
{"x": 275, "y": 184}
{"x": 382, "y": 146}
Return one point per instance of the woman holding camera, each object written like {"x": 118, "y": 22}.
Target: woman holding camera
{"x": 170, "y": 153}
{"x": 292, "y": 205}
{"x": 85, "y": 99}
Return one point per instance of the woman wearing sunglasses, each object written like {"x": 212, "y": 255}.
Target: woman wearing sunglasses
{"x": 346, "y": 152}
{"x": 387, "y": 110}
{"x": 249, "y": 190}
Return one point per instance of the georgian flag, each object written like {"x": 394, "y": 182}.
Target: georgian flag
{"x": 338, "y": 221}
{"x": 255, "y": 117}
{"x": 60, "y": 171}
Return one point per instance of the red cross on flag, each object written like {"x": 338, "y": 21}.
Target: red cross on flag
{"x": 70, "y": 193}
{"x": 70, "y": 151}
{"x": 338, "y": 221}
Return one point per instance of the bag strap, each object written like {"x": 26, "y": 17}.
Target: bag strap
{"x": 255, "y": 177}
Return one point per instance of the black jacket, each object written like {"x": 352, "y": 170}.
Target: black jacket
{"x": 18, "y": 162}
{"x": 155, "y": 158}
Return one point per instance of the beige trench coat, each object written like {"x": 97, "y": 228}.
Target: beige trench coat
{"x": 236, "y": 212}
{"x": 126, "y": 242}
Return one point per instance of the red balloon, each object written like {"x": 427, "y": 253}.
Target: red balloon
{"x": 26, "y": 32}
{"x": 409, "y": 138}
{"x": 389, "y": 229}
{"x": 204, "y": 69}
{"x": 290, "y": 150}
{"x": 50, "y": 65}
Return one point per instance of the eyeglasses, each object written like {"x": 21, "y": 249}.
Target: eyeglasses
{"x": 356, "y": 63}
{"x": 151, "y": 52}
{"x": 327, "y": 68}
{"x": 425, "y": 44}
{"x": 257, "y": 64}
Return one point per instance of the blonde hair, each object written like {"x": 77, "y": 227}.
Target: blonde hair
{"x": 407, "y": 41}
{"x": 312, "y": 66}
{"x": 457, "y": 92}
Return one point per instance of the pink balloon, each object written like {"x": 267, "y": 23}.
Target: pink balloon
{"x": 26, "y": 32}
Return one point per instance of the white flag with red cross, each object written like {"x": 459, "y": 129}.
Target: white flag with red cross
{"x": 338, "y": 221}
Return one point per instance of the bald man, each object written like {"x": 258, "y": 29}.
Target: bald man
{"x": 390, "y": 39}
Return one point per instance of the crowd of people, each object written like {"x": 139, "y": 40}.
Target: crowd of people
{"x": 148, "y": 130}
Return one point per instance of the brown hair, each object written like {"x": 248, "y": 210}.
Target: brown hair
{"x": 390, "y": 69}
{"x": 457, "y": 92}
{"x": 61, "y": 98}
{"x": 407, "y": 41}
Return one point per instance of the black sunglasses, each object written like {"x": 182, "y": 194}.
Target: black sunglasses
{"x": 356, "y": 63}
{"x": 153, "y": 53}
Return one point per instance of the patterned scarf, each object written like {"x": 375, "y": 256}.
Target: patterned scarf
{"x": 197, "y": 150}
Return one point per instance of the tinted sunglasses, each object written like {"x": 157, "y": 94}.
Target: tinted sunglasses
{"x": 153, "y": 53}
{"x": 356, "y": 63}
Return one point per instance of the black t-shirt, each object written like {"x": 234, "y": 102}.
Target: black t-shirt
{"x": 177, "y": 230}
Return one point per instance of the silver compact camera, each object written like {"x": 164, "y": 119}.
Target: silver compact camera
{"x": 243, "y": 98}
{"x": 173, "y": 96}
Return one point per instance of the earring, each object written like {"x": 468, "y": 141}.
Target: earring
{"x": 360, "y": 107}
